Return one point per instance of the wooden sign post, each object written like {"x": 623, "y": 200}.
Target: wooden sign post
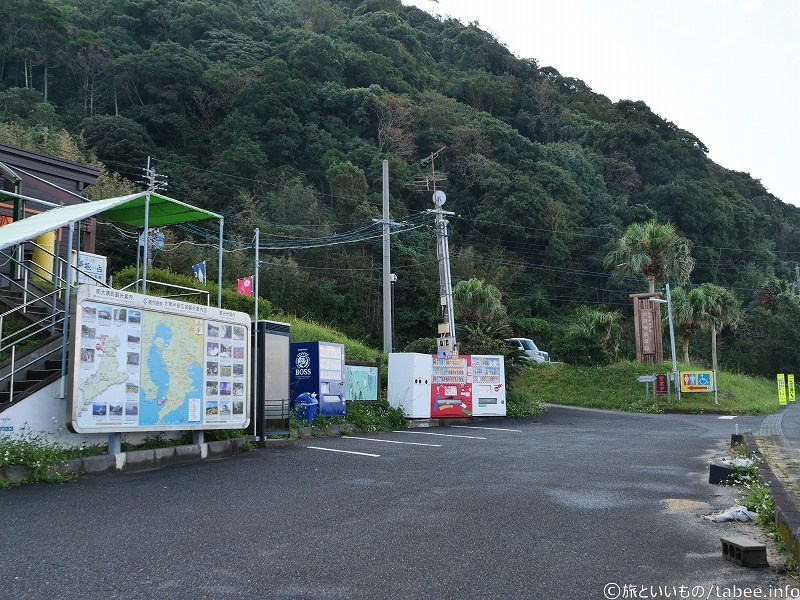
{"x": 647, "y": 323}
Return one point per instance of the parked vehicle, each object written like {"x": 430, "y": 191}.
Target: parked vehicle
{"x": 529, "y": 348}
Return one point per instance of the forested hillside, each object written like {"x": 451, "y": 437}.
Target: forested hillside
{"x": 278, "y": 114}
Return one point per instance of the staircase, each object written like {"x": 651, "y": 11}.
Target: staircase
{"x": 33, "y": 349}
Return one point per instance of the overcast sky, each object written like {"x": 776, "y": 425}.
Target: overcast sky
{"x": 726, "y": 70}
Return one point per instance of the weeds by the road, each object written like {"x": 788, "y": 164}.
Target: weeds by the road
{"x": 39, "y": 456}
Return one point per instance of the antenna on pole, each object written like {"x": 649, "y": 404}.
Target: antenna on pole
{"x": 446, "y": 342}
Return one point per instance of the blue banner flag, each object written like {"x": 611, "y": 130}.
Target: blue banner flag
{"x": 199, "y": 271}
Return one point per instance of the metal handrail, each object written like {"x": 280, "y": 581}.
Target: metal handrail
{"x": 171, "y": 285}
{"x": 29, "y": 303}
{"x": 28, "y": 364}
{"x": 75, "y": 267}
{"x": 51, "y": 323}
{"x": 27, "y": 269}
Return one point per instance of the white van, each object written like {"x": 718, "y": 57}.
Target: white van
{"x": 529, "y": 348}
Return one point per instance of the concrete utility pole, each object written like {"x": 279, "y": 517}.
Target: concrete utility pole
{"x": 447, "y": 344}
{"x": 797, "y": 279}
{"x": 387, "y": 265}
{"x": 151, "y": 180}
{"x": 388, "y": 305}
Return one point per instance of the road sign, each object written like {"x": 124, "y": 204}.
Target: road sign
{"x": 790, "y": 386}
{"x": 646, "y": 378}
{"x": 697, "y": 381}
{"x": 781, "y": 390}
{"x": 662, "y": 385}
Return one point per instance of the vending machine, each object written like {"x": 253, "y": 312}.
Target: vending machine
{"x": 488, "y": 386}
{"x": 410, "y": 376}
{"x": 317, "y": 368}
{"x": 451, "y": 387}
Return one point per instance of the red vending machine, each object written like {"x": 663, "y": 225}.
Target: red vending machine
{"x": 451, "y": 387}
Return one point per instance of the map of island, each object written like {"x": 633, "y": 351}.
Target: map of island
{"x": 108, "y": 373}
{"x": 172, "y": 368}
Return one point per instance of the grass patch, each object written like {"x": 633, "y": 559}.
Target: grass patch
{"x": 521, "y": 402}
{"x": 378, "y": 416}
{"x": 615, "y": 387}
{"x": 36, "y": 453}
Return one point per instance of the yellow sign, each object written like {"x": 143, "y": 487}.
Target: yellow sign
{"x": 790, "y": 385}
{"x": 781, "y": 390}
{"x": 697, "y": 381}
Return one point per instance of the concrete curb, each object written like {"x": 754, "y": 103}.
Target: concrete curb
{"x": 140, "y": 460}
{"x": 787, "y": 516}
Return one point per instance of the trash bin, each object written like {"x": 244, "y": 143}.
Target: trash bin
{"x": 305, "y": 407}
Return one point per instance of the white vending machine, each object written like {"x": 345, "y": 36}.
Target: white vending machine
{"x": 410, "y": 376}
{"x": 488, "y": 386}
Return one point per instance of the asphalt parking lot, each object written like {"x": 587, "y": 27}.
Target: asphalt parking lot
{"x": 555, "y": 507}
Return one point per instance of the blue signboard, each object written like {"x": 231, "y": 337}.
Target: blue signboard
{"x": 317, "y": 368}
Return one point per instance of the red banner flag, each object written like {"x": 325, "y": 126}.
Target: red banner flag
{"x": 244, "y": 286}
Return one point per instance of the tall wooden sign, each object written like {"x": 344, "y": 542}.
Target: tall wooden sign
{"x": 647, "y": 323}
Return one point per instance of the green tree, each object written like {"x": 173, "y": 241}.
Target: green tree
{"x": 655, "y": 250}
{"x": 688, "y": 307}
{"x": 720, "y": 309}
{"x": 476, "y": 302}
{"x": 592, "y": 337}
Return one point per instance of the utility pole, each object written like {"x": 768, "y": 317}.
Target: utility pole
{"x": 797, "y": 279}
{"x": 388, "y": 305}
{"x": 151, "y": 180}
{"x": 387, "y": 265}
{"x": 447, "y": 344}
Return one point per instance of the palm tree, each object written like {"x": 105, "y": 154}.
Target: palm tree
{"x": 600, "y": 326}
{"x": 687, "y": 312}
{"x": 654, "y": 250}
{"x": 721, "y": 308}
{"x": 475, "y": 301}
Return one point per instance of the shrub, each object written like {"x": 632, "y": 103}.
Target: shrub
{"x": 521, "y": 403}
{"x": 375, "y": 417}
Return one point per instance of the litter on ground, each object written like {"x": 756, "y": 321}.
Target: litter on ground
{"x": 734, "y": 513}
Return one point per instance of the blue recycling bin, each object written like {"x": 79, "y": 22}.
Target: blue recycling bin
{"x": 305, "y": 407}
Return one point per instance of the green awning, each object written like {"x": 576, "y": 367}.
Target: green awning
{"x": 125, "y": 209}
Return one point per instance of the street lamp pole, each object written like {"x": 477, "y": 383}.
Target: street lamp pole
{"x": 668, "y": 302}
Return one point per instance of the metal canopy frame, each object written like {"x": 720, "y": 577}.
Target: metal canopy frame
{"x": 143, "y": 209}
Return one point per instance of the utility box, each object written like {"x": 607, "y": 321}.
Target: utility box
{"x": 271, "y": 370}
{"x": 317, "y": 368}
{"x": 410, "y": 376}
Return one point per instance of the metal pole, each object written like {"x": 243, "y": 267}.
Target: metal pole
{"x": 387, "y": 282}
{"x": 138, "y": 255}
{"x": 67, "y": 301}
{"x": 449, "y": 289}
{"x": 56, "y": 264}
{"x": 219, "y": 275}
{"x": 11, "y": 384}
{"x": 394, "y": 281}
{"x": 672, "y": 342}
{"x": 77, "y": 253}
{"x": 114, "y": 443}
{"x": 146, "y": 238}
{"x": 254, "y": 361}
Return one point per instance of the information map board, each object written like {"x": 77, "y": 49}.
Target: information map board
{"x": 142, "y": 363}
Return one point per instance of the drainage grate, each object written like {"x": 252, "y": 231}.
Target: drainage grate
{"x": 744, "y": 552}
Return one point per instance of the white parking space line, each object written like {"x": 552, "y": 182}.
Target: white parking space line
{"x": 487, "y": 428}
{"x": 350, "y": 437}
{"x": 469, "y": 437}
{"x": 727, "y": 417}
{"x": 343, "y": 451}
